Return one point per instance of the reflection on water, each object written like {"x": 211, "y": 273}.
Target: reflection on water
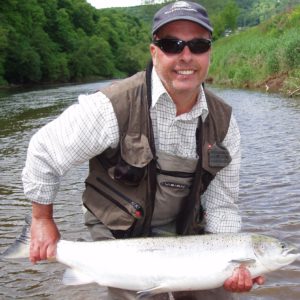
{"x": 269, "y": 196}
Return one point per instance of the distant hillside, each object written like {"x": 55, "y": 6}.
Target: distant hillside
{"x": 251, "y": 12}
{"x": 266, "y": 56}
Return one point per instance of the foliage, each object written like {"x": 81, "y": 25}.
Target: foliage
{"x": 66, "y": 40}
{"x": 69, "y": 40}
{"x": 252, "y": 57}
{"x": 226, "y": 20}
{"x": 254, "y": 12}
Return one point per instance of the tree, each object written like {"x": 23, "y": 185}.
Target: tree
{"x": 3, "y": 47}
{"x": 226, "y": 20}
{"x": 230, "y": 15}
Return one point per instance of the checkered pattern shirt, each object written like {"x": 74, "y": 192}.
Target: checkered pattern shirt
{"x": 88, "y": 127}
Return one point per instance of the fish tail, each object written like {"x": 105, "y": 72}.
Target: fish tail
{"x": 20, "y": 247}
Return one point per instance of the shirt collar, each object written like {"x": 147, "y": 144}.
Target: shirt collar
{"x": 157, "y": 88}
{"x": 200, "y": 108}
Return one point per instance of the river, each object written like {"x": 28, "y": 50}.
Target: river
{"x": 269, "y": 187}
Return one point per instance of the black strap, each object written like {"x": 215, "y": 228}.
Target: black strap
{"x": 152, "y": 165}
{"x": 148, "y": 83}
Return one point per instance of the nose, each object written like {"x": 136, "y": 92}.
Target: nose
{"x": 186, "y": 54}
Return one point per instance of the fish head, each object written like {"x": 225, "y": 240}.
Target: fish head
{"x": 274, "y": 253}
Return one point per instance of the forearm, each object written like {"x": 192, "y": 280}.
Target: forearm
{"x": 42, "y": 211}
{"x": 44, "y": 233}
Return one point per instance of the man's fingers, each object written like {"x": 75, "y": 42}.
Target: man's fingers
{"x": 34, "y": 253}
{"x": 231, "y": 283}
{"x": 245, "y": 281}
{"x": 41, "y": 252}
{"x": 51, "y": 252}
{"x": 259, "y": 280}
{"x": 240, "y": 281}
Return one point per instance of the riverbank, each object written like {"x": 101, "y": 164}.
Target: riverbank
{"x": 274, "y": 84}
{"x": 266, "y": 57}
{"x": 12, "y": 88}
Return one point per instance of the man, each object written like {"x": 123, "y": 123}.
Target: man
{"x": 164, "y": 152}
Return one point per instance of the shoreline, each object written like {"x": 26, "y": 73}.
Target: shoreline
{"x": 273, "y": 84}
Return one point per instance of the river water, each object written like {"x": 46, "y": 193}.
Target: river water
{"x": 269, "y": 188}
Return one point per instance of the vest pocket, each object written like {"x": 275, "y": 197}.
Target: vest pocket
{"x": 127, "y": 174}
{"x": 114, "y": 209}
{"x": 134, "y": 208}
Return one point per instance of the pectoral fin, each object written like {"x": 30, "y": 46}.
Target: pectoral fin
{"x": 151, "y": 292}
{"x": 243, "y": 261}
{"x": 75, "y": 277}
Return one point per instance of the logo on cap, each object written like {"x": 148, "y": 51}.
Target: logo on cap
{"x": 181, "y": 4}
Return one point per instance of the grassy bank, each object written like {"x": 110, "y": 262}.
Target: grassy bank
{"x": 266, "y": 56}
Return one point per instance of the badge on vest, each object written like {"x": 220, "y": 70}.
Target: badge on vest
{"x": 174, "y": 185}
{"x": 218, "y": 156}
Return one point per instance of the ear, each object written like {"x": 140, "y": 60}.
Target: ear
{"x": 153, "y": 51}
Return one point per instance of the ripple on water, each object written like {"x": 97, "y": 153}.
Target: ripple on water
{"x": 269, "y": 191}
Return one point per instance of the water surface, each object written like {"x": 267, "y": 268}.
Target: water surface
{"x": 269, "y": 196}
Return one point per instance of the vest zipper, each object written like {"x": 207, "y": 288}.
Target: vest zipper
{"x": 138, "y": 210}
{"x": 175, "y": 173}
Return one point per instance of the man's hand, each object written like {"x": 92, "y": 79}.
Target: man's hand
{"x": 44, "y": 233}
{"x": 241, "y": 281}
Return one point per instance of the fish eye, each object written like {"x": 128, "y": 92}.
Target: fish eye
{"x": 283, "y": 245}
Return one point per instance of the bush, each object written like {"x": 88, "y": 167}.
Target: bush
{"x": 251, "y": 57}
{"x": 292, "y": 50}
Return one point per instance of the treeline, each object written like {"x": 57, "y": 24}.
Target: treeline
{"x": 266, "y": 56}
{"x": 223, "y": 14}
{"x": 66, "y": 40}
{"x": 69, "y": 40}
{"x": 226, "y": 15}
{"x": 254, "y": 12}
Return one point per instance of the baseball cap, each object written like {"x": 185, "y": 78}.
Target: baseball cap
{"x": 181, "y": 10}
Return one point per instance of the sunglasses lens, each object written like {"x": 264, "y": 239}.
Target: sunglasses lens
{"x": 199, "y": 45}
{"x": 171, "y": 46}
{"x": 174, "y": 46}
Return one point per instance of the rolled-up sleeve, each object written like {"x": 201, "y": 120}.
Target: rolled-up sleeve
{"x": 220, "y": 199}
{"x": 81, "y": 132}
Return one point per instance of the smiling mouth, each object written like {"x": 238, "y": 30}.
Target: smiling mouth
{"x": 185, "y": 72}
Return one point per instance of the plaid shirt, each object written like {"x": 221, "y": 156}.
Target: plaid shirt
{"x": 87, "y": 128}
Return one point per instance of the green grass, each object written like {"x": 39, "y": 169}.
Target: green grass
{"x": 253, "y": 57}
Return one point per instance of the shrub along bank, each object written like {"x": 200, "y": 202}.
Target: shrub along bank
{"x": 266, "y": 56}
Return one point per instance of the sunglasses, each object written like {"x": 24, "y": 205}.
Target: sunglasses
{"x": 175, "y": 46}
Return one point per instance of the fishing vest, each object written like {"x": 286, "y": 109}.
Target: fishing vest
{"x": 121, "y": 185}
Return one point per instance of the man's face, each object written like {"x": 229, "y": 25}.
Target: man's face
{"x": 183, "y": 72}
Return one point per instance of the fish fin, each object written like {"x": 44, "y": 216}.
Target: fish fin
{"x": 75, "y": 277}
{"x": 243, "y": 261}
{"x": 20, "y": 247}
{"x": 150, "y": 292}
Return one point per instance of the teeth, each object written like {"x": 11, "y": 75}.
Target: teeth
{"x": 185, "y": 72}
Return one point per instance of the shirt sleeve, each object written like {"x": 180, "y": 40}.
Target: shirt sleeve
{"x": 220, "y": 199}
{"x": 81, "y": 132}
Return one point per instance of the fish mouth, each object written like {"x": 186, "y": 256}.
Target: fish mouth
{"x": 292, "y": 251}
